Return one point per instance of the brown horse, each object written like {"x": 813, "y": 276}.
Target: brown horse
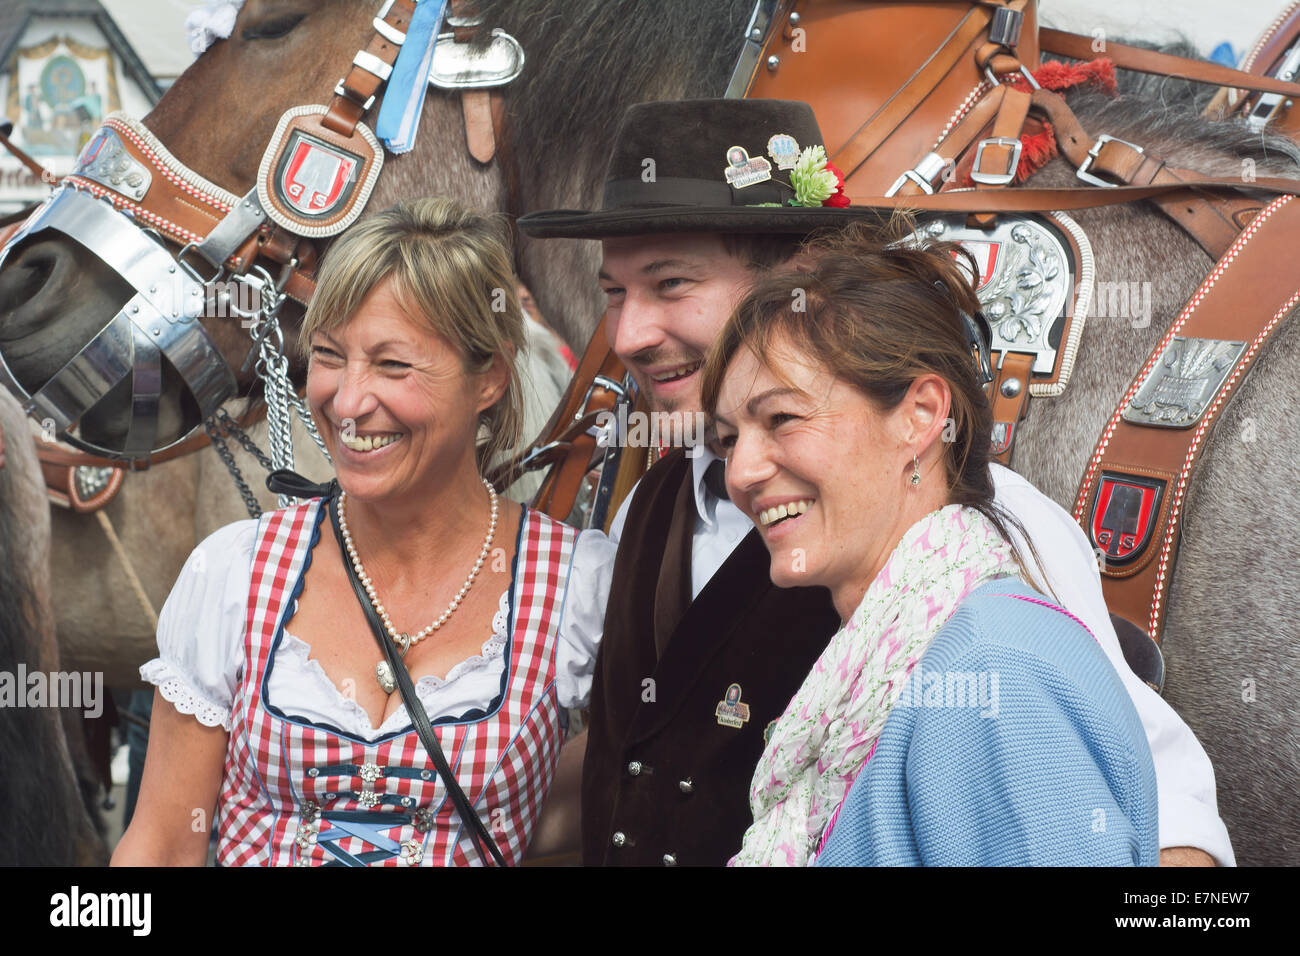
{"x": 39, "y": 789}
{"x": 587, "y": 61}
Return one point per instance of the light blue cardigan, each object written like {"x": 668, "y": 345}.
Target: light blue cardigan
{"x": 1049, "y": 766}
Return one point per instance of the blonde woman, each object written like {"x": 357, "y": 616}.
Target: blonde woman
{"x": 272, "y": 704}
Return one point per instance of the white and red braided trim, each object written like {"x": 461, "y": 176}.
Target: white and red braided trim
{"x": 121, "y": 202}
{"x": 1264, "y": 37}
{"x": 973, "y": 97}
{"x": 1208, "y": 418}
{"x": 1219, "y": 268}
{"x": 172, "y": 169}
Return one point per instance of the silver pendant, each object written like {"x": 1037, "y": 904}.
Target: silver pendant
{"x": 384, "y": 674}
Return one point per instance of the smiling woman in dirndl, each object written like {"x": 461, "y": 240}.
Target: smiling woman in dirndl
{"x": 272, "y": 704}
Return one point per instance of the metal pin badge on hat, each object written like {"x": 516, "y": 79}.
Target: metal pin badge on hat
{"x": 784, "y": 149}
{"x": 743, "y": 171}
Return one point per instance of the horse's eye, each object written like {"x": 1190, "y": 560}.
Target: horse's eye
{"x": 275, "y": 28}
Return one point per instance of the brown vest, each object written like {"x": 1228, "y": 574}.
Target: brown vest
{"x": 666, "y": 779}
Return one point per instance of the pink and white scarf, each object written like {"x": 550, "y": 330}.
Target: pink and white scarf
{"x": 830, "y": 728}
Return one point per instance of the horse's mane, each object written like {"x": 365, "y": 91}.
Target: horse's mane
{"x": 1164, "y": 115}
{"x": 591, "y": 59}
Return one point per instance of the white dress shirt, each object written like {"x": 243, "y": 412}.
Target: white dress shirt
{"x": 1188, "y": 806}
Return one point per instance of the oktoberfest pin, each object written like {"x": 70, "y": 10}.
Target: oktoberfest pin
{"x": 784, "y": 150}
{"x": 744, "y": 171}
{"x": 730, "y": 711}
{"x": 314, "y": 181}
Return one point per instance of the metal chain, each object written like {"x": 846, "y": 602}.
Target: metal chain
{"x": 272, "y": 367}
{"x": 214, "y": 425}
{"x": 309, "y": 423}
{"x": 231, "y": 429}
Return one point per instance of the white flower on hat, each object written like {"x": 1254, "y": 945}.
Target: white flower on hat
{"x": 813, "y": 183}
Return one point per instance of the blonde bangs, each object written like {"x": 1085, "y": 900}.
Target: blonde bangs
{"x": 452, "y": 273}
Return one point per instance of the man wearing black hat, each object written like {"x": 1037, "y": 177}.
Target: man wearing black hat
{"x": 700, "y": 652}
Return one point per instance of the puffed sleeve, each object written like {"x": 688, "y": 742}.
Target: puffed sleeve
{"x": 201, "y": 627}
{"x": 582, "y": 619}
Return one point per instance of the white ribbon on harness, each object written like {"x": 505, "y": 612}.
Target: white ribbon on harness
{"x": 211, "y": 22}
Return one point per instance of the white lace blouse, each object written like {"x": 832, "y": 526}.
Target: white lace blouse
{"x": 201, "y": 653}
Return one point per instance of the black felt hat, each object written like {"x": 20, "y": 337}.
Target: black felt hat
{"x": 701, "y": 166}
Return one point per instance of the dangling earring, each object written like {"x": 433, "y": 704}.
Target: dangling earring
{"x": 916, "y": 471}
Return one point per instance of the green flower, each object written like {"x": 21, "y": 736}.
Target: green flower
{"x": 813, "y": 183}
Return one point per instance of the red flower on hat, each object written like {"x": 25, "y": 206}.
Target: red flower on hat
{"x": 837, "y": 199}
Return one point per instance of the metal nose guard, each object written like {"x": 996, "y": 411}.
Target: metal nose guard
{"x": 161, "y": 319}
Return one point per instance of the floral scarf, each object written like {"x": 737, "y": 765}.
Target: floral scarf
{"x": 830, "y": 728}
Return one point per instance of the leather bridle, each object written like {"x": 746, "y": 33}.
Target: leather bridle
{"x": 129, "y": 201}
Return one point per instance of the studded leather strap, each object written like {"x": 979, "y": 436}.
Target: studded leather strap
{"x": 356, "y": 91}
{"x": 1134, "y": 492}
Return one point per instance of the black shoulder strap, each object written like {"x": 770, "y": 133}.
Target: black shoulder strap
{"x": 479, "y": 833}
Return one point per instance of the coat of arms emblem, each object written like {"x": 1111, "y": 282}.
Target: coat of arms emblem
{"x": 314, "y": 177}
{"x": 1124, "y": 515}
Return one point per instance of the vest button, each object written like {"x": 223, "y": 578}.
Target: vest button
{"x": 686, "y": 786}
{"x": 620, "y": 838}
{"x": 670, "y": 859}
{"x": 634, "y": 768}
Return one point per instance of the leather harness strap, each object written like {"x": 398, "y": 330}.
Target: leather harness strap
{"x": 1151, "y": 464}
{"x": 59, "y": 466}
{"x": 898, "y": 107}
{"x": 566, "y": 434}
{"x": 1009, "y": 400}
{"x": 371, "y": 67}
{"x": 1214, "y": 221}
{"x": 1163, "y": 64}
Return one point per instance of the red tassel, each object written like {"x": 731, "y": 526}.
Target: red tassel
{"x": 1058, "y": 76}
{"x": 1036, "y": 149}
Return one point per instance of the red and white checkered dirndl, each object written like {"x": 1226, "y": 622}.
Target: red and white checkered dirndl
{"x": 296, "y": 793}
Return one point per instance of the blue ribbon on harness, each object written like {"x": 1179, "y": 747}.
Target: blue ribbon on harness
{"x": 399, "y": 114}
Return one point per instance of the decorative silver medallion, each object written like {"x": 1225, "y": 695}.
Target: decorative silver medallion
{"x": 1026, "y": 285}
{"x": 368, "y": 773}
{"x": 106, "y": 161}
{"x": 384, "y": 674}
{"x": 1183, "y": 382}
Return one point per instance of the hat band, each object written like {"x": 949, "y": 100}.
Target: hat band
{"x": 680, "y": 191}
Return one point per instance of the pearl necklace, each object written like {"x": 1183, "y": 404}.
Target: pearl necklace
{"x": 383, "y": 673}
